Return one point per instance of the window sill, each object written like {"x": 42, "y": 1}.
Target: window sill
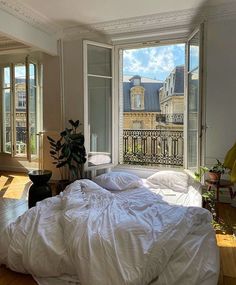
{"x": 143, "y": 171}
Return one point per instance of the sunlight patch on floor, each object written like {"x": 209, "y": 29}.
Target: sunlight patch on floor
{"x": 17, "y": 188}
{"x": 226, "y": 240}
{"x": 3, "y": 180}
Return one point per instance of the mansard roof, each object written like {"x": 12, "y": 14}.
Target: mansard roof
{"x": 179, "y": 79}
{"x": 151, "y": 95}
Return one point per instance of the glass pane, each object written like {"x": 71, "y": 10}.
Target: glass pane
{"x": 193, "y": 102}
{"x": 7, "y": 121}
{"x": 32, "y": 74}
{"x": 32, "y": 109}
{"x": 32, "y": 120}
{"x": 20, "y": 109}
{"x": 99, "y": 61}
{"x": 6, "y": 77}
{"x": 99, "y": 100}
{"x": 194, "y": 52}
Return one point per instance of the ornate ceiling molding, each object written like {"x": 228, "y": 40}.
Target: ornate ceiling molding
{"x": 137, "y": 24}
{"x": 157, "y": 22}
{"x": 30, "y": 16}
{"x": 148, "y": 22}
{"x": 161, "y": 22}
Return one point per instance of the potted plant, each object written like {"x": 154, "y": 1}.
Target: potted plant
{"x": 216, "y": 170}
{"x": 69, "y": 154}
{"x": 213, "y": 173}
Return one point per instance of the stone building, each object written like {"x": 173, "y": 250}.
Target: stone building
{"x": 141, "y": 102}
{"x": 172, "y": 99}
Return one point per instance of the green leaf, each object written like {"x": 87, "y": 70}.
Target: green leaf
{"x": 50, "y": 139}
{"x": 72, "y": 122}
{"x": 77, "y": 158}
{"x": 61, "y": 164}
{"x": 63, "y": 134}
{"x": 73, "y": 171}
{"x": 76, "y": 124}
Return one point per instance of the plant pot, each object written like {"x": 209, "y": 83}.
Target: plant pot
{"x": 214, "y": 176}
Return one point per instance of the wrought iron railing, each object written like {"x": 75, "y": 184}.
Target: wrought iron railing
{"x": 20, "y": 146}
{"x": 175, "y": 118}
{"x": 153, "y": 147}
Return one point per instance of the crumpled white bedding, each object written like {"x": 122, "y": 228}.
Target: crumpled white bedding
{"x": 190, "y": 198}
{"x": 99, "y": 238}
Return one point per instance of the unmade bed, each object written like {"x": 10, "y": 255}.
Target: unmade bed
{"x": 132, "y": 232}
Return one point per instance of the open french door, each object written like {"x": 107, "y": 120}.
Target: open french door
{"x": 98, "y": 104}
{"x": 20, "y": 109}
{"x": 193, "y": 102}
{"x": 32, "y": 104}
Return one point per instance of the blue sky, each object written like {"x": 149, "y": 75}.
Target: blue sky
{"x": 153, "y": 62}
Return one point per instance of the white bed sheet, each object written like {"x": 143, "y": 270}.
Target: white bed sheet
{"x": 192, "y": 197}
{"x": 44, "y": 241}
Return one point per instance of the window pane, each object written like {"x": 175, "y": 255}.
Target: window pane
{"x": 6, "y": 77}
{"x": 20, "y": 109}
{"x": 99, "y": 100}
{"x": 33, "y": 119}
{"x": 7, "y": 121}
{"x": 32, "y": 74}
{"x": 99, "y": 61}
{"x": 194, "y": 52}
{"x": 193, "y": 101}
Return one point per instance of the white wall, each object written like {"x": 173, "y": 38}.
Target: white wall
{"x": 52, "y": 117}
{"x": 220, "y": 88}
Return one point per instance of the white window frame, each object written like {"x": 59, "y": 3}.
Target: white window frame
{"x": 117, "y": 104}
{"x": 86, "y": 105}
{"x": 119, "y": 109}
{"x": 201, "y": 117}
{"x": 13, "y": 152}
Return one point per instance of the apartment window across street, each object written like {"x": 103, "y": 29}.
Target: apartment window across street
{"x": 20, "y": 109}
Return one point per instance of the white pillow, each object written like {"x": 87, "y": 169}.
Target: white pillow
{"x": 90, "y": 186}
{"x": 118, "y": 181}
{"x": 174, "y": 180}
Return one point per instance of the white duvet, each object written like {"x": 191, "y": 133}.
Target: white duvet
{"x": 97, "y": 238}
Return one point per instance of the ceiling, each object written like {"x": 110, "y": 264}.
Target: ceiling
{"x": 64, "y": 19}
{"x": 7, "y": 44}
{"x": 70, "y": 13}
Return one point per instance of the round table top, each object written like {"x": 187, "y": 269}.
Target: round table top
{"x": 40, "y": 172}
{"x": 40, "y": 176}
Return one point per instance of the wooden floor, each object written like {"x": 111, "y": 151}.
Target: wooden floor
{"x": 13, "y": 202}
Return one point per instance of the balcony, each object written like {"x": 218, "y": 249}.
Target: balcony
{"x": 153, "y": 147}
{"x": 175, "y": 118}
{"x": 20, "y": 145}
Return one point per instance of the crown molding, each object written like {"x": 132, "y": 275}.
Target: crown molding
{"x": 30, "y": 16}
{"x": 161, "y": 22}
{"x": 116, "y": 28}
{"x": 133, "y": 25}
{"x": 148, "y": 22}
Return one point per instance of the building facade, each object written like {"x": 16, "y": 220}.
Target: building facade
{"x": 141, "y": 102}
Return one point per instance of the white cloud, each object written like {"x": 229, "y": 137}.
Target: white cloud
{"x": 156, "y": 62}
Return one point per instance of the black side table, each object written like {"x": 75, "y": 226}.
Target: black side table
{"x": 40, "y": 189}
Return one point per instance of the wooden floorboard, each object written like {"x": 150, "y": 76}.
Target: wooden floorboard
{"x": 13, "y": 203}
